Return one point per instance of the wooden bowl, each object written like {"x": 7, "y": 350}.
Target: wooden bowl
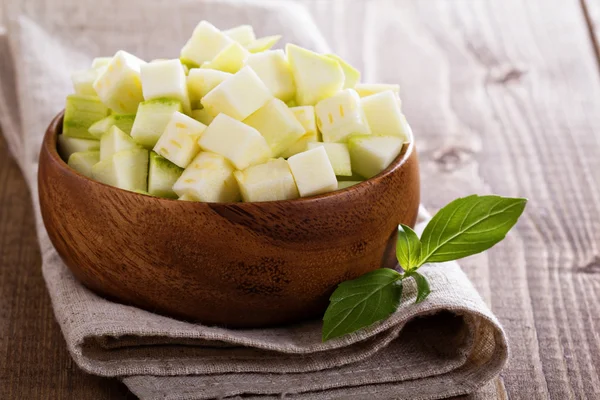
{"x": 231, "y": 264}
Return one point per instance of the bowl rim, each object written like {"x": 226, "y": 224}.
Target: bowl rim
{"x": 50, "y": 144}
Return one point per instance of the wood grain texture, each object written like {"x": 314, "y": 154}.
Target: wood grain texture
{"x": 591, "y": 12}
{"x": 503, "y": 97}
{"x": 247, "y": 264}
{"x": 34, "y": 362}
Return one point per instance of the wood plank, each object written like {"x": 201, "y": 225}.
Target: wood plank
{"x": 591, "y": 12}
{"x": 35, "y": 363}
{"x": 503, "y": 97}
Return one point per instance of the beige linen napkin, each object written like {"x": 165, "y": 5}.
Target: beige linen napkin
{"x": 448, "y": 345}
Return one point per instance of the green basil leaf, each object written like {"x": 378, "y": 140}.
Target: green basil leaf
{"x": 423, "y": 288}
{"x": 408, "y": 248}
{"x": 469, "y": 225}
{"x": 361, "y": 302}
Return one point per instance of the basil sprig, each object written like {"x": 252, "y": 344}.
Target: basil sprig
{"x": 464, "y": 227}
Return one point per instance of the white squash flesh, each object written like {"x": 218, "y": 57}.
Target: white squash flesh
{"x": 313, "y": 172}
{"x": 277, "y": 124}
{"x": 270, "y": 181}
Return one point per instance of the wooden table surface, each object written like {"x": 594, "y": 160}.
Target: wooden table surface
{"x": 504, "y": 97}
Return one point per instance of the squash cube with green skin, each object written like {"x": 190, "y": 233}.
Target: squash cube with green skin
{"x": 277, "y": 124}
{"x": 186, "y": 197}
{"x": 231, "y": 59}
{"x": 347, "y": 184}
{"x": 208, "y": 178}
{"x": 274, "y": 70}
{"x": 162, "y": 175}
{"x": 200, "y": 81}
{"x": 263, "y": 43}
{"x": 68, "y": 145}
{"x": 165, "y": 80}
{"x": 83, "y": 81}
{"x": 179, "y": 141}
{"x": 367, "y": 89}
{"x": 243, "y": 34}
{"x": 81, "y": 111}
{"x": 113, "y": 141}
{"x": 270, "y": 181}
{"x": 306, "y": 116}
{"x": 83, "y": 161}
{"x": 122, "y": 121}
{"x": 204, "y": 44}
{"x": 237, "y": 96}
{"x": 151, "y": 120}
{"x": 317, "y": 76}
{"x": 202, "y": 116}
{"x": 340, "y": 116}
{"x": 127, "y": 169}
{"x": 239, "y": 143}
{"x": 100, "y": 62}
{"x": 372, "y": 154}
{"x": 313, "y": 172}
{"x": 383, "y": 114}
{"x": 119, "y": 86}
{"x": 351, "y": 74}
{"x": 339, "y": 156}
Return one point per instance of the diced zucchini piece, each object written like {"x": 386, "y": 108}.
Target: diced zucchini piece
{"x": 277, "y": 124}
{"x": 353, "y": 177}
{"x": 367, "y": 89}
{"x": 122, "y": 121}
{"x": 208, "y": 178}
{"x": 206, "y": 42}
{"x": 299, "y": 146}
{"x": 68, "y": 145}
{"x": 383, "y": 114}
{"x": 201, "y": 81}
{"x": 347, "y": 184}
{"x": 83, "y": 81}
{"x": 231, "y": 59}
{"x": 162, "y": 175}
{"x": 351, "y": 74}
{"x": 165, "y": 80}
{"x": 241, "y": 144}
{"x": 340, "y": 116}
{"x": 274, "y": 70}
{"x": 306, "y": 116}
{"x": 237, "y": 96}
{"x": 243, "y": 34}
{"x": 186, "y": 197}
{"x": 80, "y": 113}
{"x": 189, "y": 64}
{"x": 263, "y": 43}
{"x": 270, "y": 181}
{"x": 99, "y": 128}
{"x": 113, "y": 141}
{"x": 152, "y": 119}
{"x": 203, "y": 116}
{"x": 100, "y": 62}
{"x": 372, "y": 154}
{"x": 179, "y": 142}
{"x": 83, "y": 161}
{"x": 339, "y": 156}
{"x": 127, "y": 169}
{"x": 317, "y": 77}
{"x": 313, "y": 172}
{"x": 119, "y": 85}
